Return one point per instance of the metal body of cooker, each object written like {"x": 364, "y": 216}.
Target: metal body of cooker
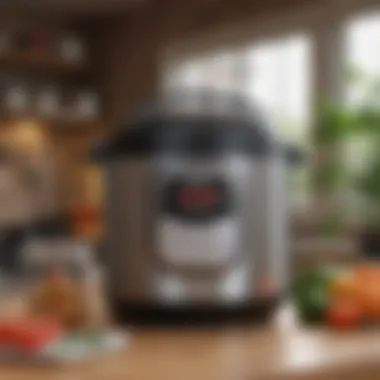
{"x": 190, "y": 224}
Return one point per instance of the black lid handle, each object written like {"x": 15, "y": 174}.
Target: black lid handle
{"x": 294, "y": 155}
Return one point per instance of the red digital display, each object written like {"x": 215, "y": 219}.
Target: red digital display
{"x": 196, "y": 201}
{"x": 198, "y": 196}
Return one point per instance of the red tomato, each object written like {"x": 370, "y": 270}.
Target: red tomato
{"x": 344, "y": 315}
{"x": 28, "y": 334}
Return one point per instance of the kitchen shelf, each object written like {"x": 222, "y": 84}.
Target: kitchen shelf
{"x": 69, "y": 128}
{"x": 41, "y": 63}
{"x": 61, "y": 126}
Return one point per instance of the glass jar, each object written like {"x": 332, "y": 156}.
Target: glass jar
{"x": 64, "y": 282}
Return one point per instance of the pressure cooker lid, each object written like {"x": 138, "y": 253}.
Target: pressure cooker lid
{"x": 192, "y": 122}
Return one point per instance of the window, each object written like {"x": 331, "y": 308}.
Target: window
{"x": 279, "y": 80}
{"x": 275, "y": 74}
{"x": 362, "y": 89}
{"x": 363, "y": 63}
{"x": 362, "y": 56}
{"x": 217, "y": 70}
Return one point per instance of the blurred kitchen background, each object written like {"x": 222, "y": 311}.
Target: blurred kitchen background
{"x": 70, "y": 72}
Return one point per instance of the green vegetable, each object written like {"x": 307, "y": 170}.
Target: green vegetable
{"x": 310, "y": 293}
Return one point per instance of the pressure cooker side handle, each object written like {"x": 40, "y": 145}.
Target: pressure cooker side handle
{"x": 294, "y": 155}
{"x": 99, "y": 151}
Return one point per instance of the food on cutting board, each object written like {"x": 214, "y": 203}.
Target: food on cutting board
{"x": 58, "y": 297}
{"x": 342, "y": 298}
{"x": 59, "y": 325}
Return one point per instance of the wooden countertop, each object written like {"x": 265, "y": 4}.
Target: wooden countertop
{"x": 281, "y": 350}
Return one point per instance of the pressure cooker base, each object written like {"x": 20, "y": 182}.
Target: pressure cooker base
{"x": 134, "y": 313}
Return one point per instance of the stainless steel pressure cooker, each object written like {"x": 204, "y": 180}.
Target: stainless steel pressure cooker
{"x": 196, "y": 210}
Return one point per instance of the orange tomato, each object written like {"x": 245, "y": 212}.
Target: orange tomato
{"x": 369, "y": 272}
{"x": 343, "y": 287}
{"x": 368, "y": 297}
{"x": 367, "y": 279}
{"x": 343, "y": 315}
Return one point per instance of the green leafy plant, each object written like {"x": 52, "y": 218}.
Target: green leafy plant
{"x": 335, "y": 124}
{"x": 367, "y": 183}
